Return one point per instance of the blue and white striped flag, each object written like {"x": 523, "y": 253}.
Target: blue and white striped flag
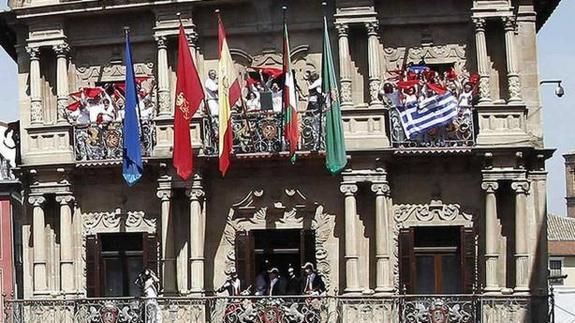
{"x": 433, "y": 112}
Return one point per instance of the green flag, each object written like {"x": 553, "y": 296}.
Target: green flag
{"x": 335, "y": 159}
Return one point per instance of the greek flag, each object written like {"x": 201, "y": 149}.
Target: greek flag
{"x": 436, "y": 111}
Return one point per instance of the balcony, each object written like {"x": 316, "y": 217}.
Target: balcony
{"x": 262, "y": 132}
{"x": 301, "y": 309}
{"x": 97, "y": 142}
{"x": 459, "y": 133}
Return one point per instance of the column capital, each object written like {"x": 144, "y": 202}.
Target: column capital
{"x": 380, "y": 188}
{"x": 37, "y": 200}
{"x": 508, "y": 23}
{"x": 65, "y": 199}
{"x": 61, "y": 49}
{"x": 490, "y": 187}
{"x": 372, "y": 27}
{"x": 162, "y": 42}
{"x": 192, "y": 37}
{"x": 34, "y": 52}
{"x": 348, "y": 189}
{"x": 164, "y": 195}
{"x": 520, "y": 187}
{"x": 342, "y": 29}
{"x": 479, "y": 24}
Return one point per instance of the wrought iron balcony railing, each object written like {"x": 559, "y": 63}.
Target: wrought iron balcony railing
{"x": 104, "y": 141}
{"x": 459, "y": 133}
{"x": 262, "y": 132}
{"x": 300, "y": 309}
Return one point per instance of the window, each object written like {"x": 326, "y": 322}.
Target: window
{"x": 556, "y": 271}
{"x": 437, "y": 260}
{"x": 114, "y": 260}
{"x": 280, "y": 247}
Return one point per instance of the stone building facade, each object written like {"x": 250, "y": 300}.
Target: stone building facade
{"x": 447, "y": 227}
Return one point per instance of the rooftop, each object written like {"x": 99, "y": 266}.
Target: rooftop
{"x": 560, "y": 228}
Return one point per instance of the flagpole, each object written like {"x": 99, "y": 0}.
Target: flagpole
{"x": 283, "y": 112}
{"x": 127, "y": 33}
{"x": 323, "y": 97}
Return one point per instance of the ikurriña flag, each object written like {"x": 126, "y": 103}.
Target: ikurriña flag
{"x": 291, "y": 128}
{"x": 132, "y": 167}
{"x": 229, "y": 93}
{"x": 335, "y": 154}
{"x": 189, "y": 97}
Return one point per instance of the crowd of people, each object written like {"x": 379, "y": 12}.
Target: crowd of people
{"x": 269, "y": 282}
{"x": 419, "y": 83}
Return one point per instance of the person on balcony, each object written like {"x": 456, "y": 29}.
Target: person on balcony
{"x": 314, "y": 284}
{"x": 148, "y": 282}
{"x": 314, "y": 92}
{"x": 233, "y": 284}
{"x": 276, "y": 286}
{"x": 211, "y": 86}
{"x": 277, "y": 98}
{"x": 294, "y": 284}
{"x": 262, "y": 280}
{"x": 253, "y": 102}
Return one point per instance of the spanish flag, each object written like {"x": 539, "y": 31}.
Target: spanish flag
{"x": 229, "y": 93}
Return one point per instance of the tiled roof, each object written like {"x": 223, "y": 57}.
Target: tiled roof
{"x": 560, "y": 228}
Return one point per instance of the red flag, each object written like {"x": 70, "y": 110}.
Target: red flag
{"x": 189, "y": 96}
{"x": 289, "y": 99}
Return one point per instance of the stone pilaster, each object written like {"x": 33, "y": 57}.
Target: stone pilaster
{"x": 491, "y": 237}
{"x": 513, "y": 81}
{"x": 351, "y": 252}
{"x": 522, "y": 270}
{"x": 168, "y": 256}
{"x": 482, "y": 61}
{"x": 373, "y": 63}
{"x": 67, "y": 276}
{"x": 36, "y": 113}
{"x": 39, "y": 241}
{"x": 197, "y": 236}
{"x": 164, "y": 103}
{"x": 344, "y": 65}
{"x": 62, "y": 50}
{"x": 384, "y": 274}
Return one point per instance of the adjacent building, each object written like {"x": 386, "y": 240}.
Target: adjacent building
{"x": 447, "y": 225}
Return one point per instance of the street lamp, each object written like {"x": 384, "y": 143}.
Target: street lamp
{"x": 559, "y": 90}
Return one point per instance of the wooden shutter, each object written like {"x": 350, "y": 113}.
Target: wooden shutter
{"x": 307, "y": 249}
{"x": 406, "y": 260}
{"x": 150, "y": 245}
{"x": 243, "y": 250}
{"x": 467, "y": 259}
{"x": 93, "y": 287}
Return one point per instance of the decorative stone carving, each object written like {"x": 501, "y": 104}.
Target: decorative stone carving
{"x": 65, "y": 199}
{"x": 162, "y": 42}
{"x": 87, "y": 75}
{"x": 132, "y": 221}
{"x": 36, "y": 111}
{"x": 34, "y": 52}
{"x": 348, "y": 188}
{"x": 380, "y": 188}
{"x": 454, "y": 54}
{"x": 289, "y": 212}
{"x": 434, "y": 211}
{"x": 521, "y": 187}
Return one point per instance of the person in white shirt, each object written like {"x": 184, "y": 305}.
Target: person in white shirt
{"x": 253, "y": 102}
{"x": 233, "y": 284}
{"x": 314, "y": 92}
{"x": 148, "y": 281}
{"x": 277, "y": 98}
{"x": 211, "y": 87}
{"x": 313, "y": 282}
{"x": 276, "y": 286}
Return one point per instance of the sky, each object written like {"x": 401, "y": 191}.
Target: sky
{"x": 556, "y": 48}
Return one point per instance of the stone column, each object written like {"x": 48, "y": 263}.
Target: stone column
{"x": 39, "y": 241}
{"x": 491, "y": 237}
{"x": 168, "y": 237}
{"x": 36, "y": 117}
{"x": 164, "y": 104}
{"x": 521, "y": 251}
{"x": 513, "y": 81}
{"x": 383, "y": 281}
{"x": 482, "y": 61}
{"x": 62, "y": 51}
{"x": 66, "y": 245}
{"x": 344, "y": 65}
{"x": 373, "y": 63}
{"x": 197, "y": 237}
{"x": 351, "y": 252}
